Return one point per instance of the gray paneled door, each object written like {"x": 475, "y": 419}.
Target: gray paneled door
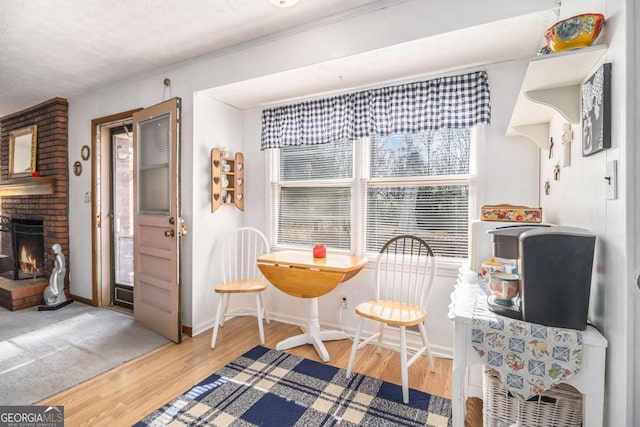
{"x": 158, "y": 224}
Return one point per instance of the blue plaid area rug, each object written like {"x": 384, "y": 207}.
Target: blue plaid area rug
{"x": 271, "y": 388}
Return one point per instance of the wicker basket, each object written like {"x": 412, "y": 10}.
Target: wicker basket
{"x": 558, "y": 407}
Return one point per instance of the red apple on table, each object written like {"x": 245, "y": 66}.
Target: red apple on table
{"x": 319, "y": 251}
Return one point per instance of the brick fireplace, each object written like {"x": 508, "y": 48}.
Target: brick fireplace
{"x": 35, "y": 199}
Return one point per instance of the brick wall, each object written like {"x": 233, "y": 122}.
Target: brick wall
{"x": 52, "y": 161}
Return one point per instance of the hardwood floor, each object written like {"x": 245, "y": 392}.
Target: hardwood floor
{"x": 127, "y": 393}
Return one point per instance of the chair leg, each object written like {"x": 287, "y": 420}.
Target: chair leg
{"x": 423, "y": 334}
{"x": 380, "y": 337}
{"x": 354, "y": 348}
{"x": 265, "y": 313}
{"x": 216, "y": 324}
{"x": 259, "y": 316}
{"x": 404, "y": 370}
{"x": 226, "y": 308}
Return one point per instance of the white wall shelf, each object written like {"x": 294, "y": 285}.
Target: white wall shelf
{"x": 552, "y": 85}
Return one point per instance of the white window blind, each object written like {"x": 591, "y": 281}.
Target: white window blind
{"x": 438, "y": 214}
{"x": 419, "y": 184}
{"x": 312, "y": 195}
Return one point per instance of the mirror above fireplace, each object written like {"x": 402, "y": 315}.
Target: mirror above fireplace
{"x": 22, "y": 151}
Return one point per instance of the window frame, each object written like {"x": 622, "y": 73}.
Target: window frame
{"x": 274, "y": 184}
{"x": 358, "y": 185}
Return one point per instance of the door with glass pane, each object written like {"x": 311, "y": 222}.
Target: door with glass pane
{"x": 121, "y": 216}
{"x": 157, "y": 218}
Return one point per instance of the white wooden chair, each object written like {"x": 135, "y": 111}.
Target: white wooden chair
{"x": 405, "y": 272}
{"x": 236, "y": 257}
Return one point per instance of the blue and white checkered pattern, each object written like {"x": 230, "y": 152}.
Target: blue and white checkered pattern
{"x": 275, "y": 389}
{"x": 452, "y": 102}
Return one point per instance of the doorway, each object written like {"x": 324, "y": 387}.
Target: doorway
{"x": 135, "y": 186}
{"x": 111, "y": 194}
{"x": 121, "y": 216}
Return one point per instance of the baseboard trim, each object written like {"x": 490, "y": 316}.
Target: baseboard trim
{"x": 413, "y": 338}
{"x": 83, "y": 300}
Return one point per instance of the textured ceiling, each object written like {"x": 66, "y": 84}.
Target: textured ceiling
{"x": 63, "y": 48}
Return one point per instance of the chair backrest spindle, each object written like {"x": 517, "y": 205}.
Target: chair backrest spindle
{"x": 405, "y": 271}
{"x": 238, "y": 252}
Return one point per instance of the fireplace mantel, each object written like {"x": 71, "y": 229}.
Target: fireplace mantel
{"x": 29, "y": 186}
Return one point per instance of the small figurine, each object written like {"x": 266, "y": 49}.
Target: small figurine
{"x": 54, "y": 293}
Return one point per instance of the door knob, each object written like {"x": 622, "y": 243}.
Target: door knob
{"x": 169, "y": 233}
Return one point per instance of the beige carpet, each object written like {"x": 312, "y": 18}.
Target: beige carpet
{"x": 45, "y": 352}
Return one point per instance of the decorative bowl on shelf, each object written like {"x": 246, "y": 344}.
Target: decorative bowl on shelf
{"x": 575, "y": 32}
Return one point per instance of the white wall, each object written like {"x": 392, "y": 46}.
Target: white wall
{"x": 507, "y": 166}
{"x": 633, "y": 180}
{"x": 215, "y": 125}
{"x": 579, "y": 198}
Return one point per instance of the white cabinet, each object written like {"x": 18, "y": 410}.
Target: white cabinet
{"x": 552, "y": 85}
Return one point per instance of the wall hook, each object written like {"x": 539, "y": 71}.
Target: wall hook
{"x": 167, "y": 84}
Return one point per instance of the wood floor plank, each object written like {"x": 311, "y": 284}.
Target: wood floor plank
{"x": 124, "y": 395}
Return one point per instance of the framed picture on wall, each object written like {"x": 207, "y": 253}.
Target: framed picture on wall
{"x": 596, "y": 111}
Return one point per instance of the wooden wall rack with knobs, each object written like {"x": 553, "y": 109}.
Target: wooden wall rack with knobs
{"x": 227, "y": 180}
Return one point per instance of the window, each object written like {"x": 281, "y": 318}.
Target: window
{"x": 312, "y": 195}
{"x": 419, "y": 184}
{"x": 354, "y": 196}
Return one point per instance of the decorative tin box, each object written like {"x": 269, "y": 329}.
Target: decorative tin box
{"x": 510, "y": 213}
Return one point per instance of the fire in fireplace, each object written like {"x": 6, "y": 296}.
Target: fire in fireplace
{"x": 23, "y": 245}
{"x": 28, "y": 264}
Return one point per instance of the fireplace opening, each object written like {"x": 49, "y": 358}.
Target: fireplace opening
{"x": 23, "y": 248}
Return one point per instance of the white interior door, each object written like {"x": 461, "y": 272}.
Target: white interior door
{"x": 157, "y": 218}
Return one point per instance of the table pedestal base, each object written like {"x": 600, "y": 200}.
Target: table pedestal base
{"x": 313, "y": 335}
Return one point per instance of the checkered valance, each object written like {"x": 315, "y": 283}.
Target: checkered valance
{"x": 447, "y": 102}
